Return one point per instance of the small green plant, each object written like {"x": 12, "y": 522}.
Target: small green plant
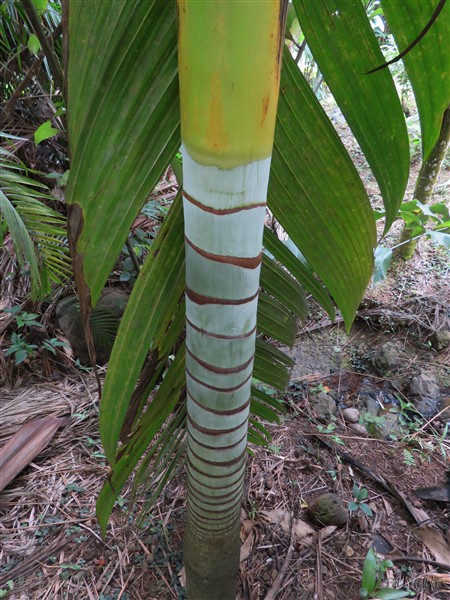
{"x": 373, "y": 423}
{"x": 422, "y": 221}
{"x": 275, "y": 449}
{"x": 81, "y": 367}
{"x": 329, "y": 429}
{"x": 332, "y": 473}
{"x": 253, "y": 512}
{"x": 22, "y": 318}
{"x": 20, "y": 348}
{"x": 317, "y": 389}
{"x": 372, "y": 576}
{"x": 408, "y": 458}
{"x": 52, "y": 344}
{"x": 95, "y": 444}
{"x": 359, "y": 503}
{"x": 135, "y": 248}
{"x": 441, "y": 440}
{"x": 70, "y": 569}
{"x": 4, "y": 592}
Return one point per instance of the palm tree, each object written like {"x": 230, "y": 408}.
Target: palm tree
{"x": 227, "y": 146}
{"x": 33, "y": 236}
{"x": 31, "y": 233}
{"x": 124, "y": 130}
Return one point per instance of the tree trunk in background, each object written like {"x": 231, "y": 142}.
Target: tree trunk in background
{"x": 229, "y": 66}
{"x": 426, "y": 181}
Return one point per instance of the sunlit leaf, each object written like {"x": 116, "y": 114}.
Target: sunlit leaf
{"x": 383, "y": 258}
{"x": 34, "y": 45}
{"x": 44, "y": 132}
{"x": 345, "y": 48}
{"x": 427, "y": 64}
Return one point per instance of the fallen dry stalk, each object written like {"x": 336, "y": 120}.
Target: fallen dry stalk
{"x": 274, "y": 590}
{"x": 25, "y": 445}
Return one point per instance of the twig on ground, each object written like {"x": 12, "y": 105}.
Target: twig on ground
{"x": 319, "y": 582}
{"x": 418, "y": 559}
{"x": 274, "y": 590}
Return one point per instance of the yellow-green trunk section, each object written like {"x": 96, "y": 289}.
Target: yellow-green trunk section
{"x": 225, "y": 54}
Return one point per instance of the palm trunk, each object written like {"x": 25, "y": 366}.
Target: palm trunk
{"x": 229, "y": 64}
{"x": 426, "y": 181}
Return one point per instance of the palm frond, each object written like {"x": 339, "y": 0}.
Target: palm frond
{"x": 38, "y": 232}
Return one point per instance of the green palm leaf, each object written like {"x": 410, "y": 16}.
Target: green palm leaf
{"x": 38, "y": 232}
{"x": 150, "y": 310}
{"x": 342, "y": 42}
{"x": 427, "y": 64}
{"x": 312, "y": 177}
{"x": 123, "y": 98}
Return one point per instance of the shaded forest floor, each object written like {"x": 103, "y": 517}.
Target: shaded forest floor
{"x": 50, "y": 543}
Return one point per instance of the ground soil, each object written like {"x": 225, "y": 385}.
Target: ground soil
{"x": 50, "y": 542}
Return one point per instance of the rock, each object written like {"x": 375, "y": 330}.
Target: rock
{"x": 328, "y": 509}
{"x": 387, "y": 358}
{"x": 440, "y": 340}
{"x": 427, "y": 407}
{"x": 358, "y": 428}
{"x": 445, "y": 403}
{"x": 115, "y": 301}
{"x": 391, "y": 426}
{"x": 324, "y": 405}
{"x": 369, "y": 402}
{"x": 112, "y": 305}
{"x": 423, "y": 385}
{"x": 351, "y": 415}
{"x": 423, "y": 391}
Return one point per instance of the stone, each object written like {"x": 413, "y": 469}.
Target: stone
{"x": 328, "y": 509}
{"x": 440, "y": 340}
{"x": 370, "y": 403}
{"x": 387, "y": 358}
{"x": 324, "y": 405}
{"x": 445, "y": 403}
{"x": 427, "y": 407}
{"x": 423, "y": 384}
{"x": 115, "y": 301}
{"x": 351, "y": 415}
{"x": 423, "y": 391}
{"x": 360, "y": 429}
{"x": 391, "y": 426}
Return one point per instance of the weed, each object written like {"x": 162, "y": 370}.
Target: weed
{"x": 81, "y": 367}
{"x": 20, "y": 348}
{"x": 23, "y": 319}
{"x": 372, "y": 576}
{"x": 52, "y": 344}
{"x": 329, "y": 429}
{"x": 69, "y": 569}
{"x": 408, "y": 458}
{"x": 318, "y": 389}
{"x": 4, "y": 592}
{"x": 332, "y": 473}
{"x": 373, "y": 424}
{"x": 275, "y": 449}
{"x": 359, "y": 503}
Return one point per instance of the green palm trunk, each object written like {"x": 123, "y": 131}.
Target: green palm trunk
{"x": 229, "y": 82}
